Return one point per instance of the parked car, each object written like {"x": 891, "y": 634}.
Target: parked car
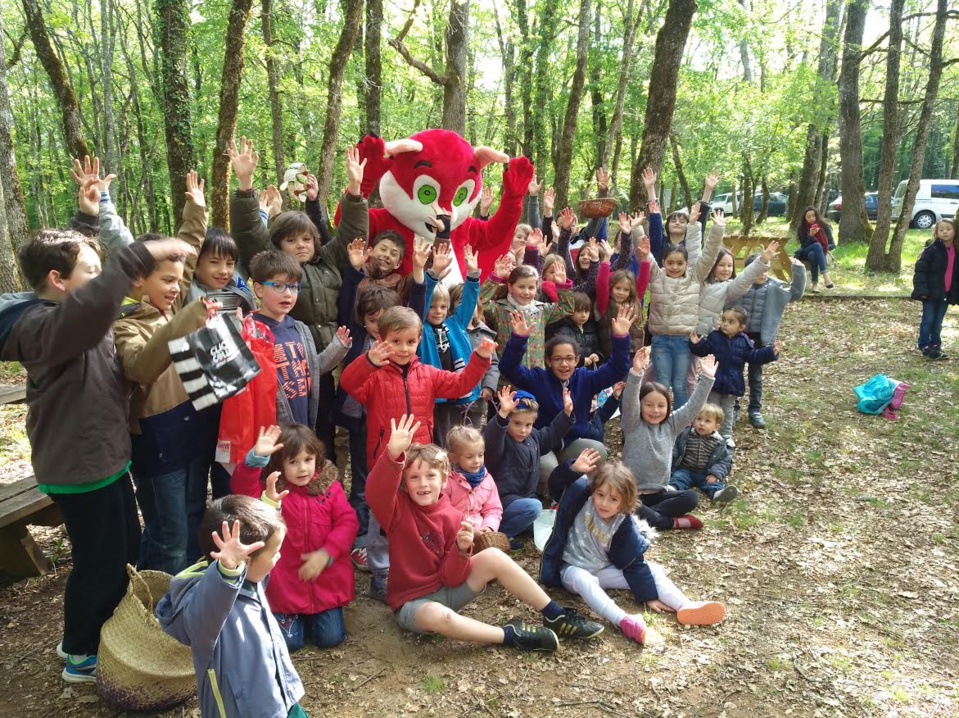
{"x": 834, "y": 210}
{"x": 937, "y": 199}
{"x": 777, "y": 203}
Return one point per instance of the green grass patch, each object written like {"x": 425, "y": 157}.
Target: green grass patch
{"x": 433, "y": 684}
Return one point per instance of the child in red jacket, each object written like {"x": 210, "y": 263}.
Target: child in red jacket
{"x": 313, "y": 579}
{"x": 433, "y": 572}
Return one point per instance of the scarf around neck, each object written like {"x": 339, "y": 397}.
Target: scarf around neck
{"x": 527, "y": 309}
{"x": 474, "y": 478}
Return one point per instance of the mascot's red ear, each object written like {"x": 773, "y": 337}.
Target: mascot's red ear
{"x": 398, "y": 147}
{"x": 485, "y": 155}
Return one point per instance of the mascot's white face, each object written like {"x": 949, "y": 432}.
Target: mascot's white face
{"x": 419, "y": 211}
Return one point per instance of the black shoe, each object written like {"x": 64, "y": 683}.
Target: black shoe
{"x": 572, "y": 625}
{"x": 757, "y": 420}
{"x": 936, "y": 353}
{"x": 533, "y": 638}
{"x": 378, "y": 587}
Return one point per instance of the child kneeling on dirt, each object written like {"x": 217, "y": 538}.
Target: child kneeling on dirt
{"x": 598, "y": 543}
{"x": 221, "y": 612}
{"x": 432, "y": 573}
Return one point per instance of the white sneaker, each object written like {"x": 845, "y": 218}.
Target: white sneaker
{"x": 60, "y": 651}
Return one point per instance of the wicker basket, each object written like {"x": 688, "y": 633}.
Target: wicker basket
{"x": 139, "y": 667}
{"x": 596, "y": 208}
{"x": 490, "y": 539}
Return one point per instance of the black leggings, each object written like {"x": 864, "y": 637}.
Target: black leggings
{"x": 659, "y": 510}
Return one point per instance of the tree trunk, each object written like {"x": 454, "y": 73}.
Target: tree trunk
{"x": 853, "y": 224}
{"x": 663, "y": 79}
{"x": 525, "y": 74}
{"x": 564, "y": 158}
{"x": 547, "y": 19}
{"x": 744, "y": 52}
{"x": 614, "y": 139}
{"x": 108, "y": 31}
{"x": 815, "y": 137}
{"x": 353, "y": 12}
{"x": 596, "y": 94}
{"x": 374, "y": 64}
{"x": 15, "y": 213}
{"x": 273, "y": 82}
{"x": 173, "y": 30}
{"x": 749, "y": 189}
{"x": 454, "y": 89}
{"x": 509, "y": 75}
{"x": 891, "y": 261}
{"x": 680, "y": 174}
{"x": 226, "y": 124}
{"x": 822, "y": 192}
{"x": 764, "y": 208}
{"x": 67, "y": 98}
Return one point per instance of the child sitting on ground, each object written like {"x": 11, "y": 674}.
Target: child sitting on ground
{"x": 276, "y": 282}
{"x": 470, "y": 489}
{"x": 313, "y": 580}
{"x": 597, "y": 543}
{"x": 515, "y": 448}
{"x": 220, "y": 610}
{"x": 732, "y": 350}
{"x": 650, "y": 428}
{"x": 434, "y": 575}
{"x": 702, "y": 459}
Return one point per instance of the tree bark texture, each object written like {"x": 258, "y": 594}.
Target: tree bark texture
{"x": 853, "y": 224}
{"x": 226, "y": 123}
{"x": 564, "y": 158}
{"x": 614, "y": 138}
{"x": 173, "y": 31}
{"x": 374, "y": 64}
{"x": 547, "y": 19}
{"x": 111, "y": 159}
{"x": 273, "y": 83}
{"x": 893, "y": 261}
{"x": 663, "y": 79}
{"x": 596, "y": 92}
{"x": 680, "y": 174}
{"x": 18, "y": 228}
{"x": 66, "y": 97}
{"x": 353, "y": 13}
{"x": 525, "y": 74}
{"x": 509, "y": 76}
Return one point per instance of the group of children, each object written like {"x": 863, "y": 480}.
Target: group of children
{"x": 548, "y": 346}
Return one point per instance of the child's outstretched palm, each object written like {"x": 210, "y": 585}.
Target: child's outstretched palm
{"x": 567, "y": 402}
{"x": 644, "y": 247}
{"x": 566, "y": 218}
{"x": 549, "y": 198}
{"x": 623, "y": 321}
{"x": 442, "y": 258}
{"x": 587, "y": 461}
{"x": 518, "y": 321}
{"x": 507, "y": 401}
{"x": 694, "y": 213}
{"x": 471, "y": 259}
{"x": 649, "y": 178}
{"x": 694, "y": 338}
{"x": 380, "y": 353}
{"x": 194, "y": 189}
{"x": 708, "y": 366}
{"x": 641, "y": 360}
{"x": 354, "y": 169}
{"x": 421, "y": 252}
{"x": 358, "y": 253}
{"x": 719, "y": 218}
{"x": 534, "y": 186}
{"x": 501, "y": 267}
{"x": 270, "y": 492}
{"x": 343, "y": 334}
{"x": 243, "y": 158}
{"x": 401, "y": 435}
{"x": 266, "y": 443}
{"x": 231, "y": 551}
{"x": 486, "y": 348}
{"x": 535, "y": 238}
{"x": 486, "y": 201}
{"x": 624, "y": 223}
{"x": 769, "y": 252}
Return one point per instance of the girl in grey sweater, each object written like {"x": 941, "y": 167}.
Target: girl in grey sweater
{"x": 650, "y": 428}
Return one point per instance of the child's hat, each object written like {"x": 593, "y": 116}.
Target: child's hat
{"x": 523, "y": 399}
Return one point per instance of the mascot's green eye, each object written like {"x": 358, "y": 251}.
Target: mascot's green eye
{"x": 426, "y": 194}
{"x": 460, "y": 197}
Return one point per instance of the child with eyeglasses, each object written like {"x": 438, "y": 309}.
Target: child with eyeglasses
{"x": 276, "y": 282}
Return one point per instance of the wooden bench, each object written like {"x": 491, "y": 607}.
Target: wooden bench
{"x": 741, "y": 247}
{"x": 21, "y": 504}
{"x": 13, "y": 394}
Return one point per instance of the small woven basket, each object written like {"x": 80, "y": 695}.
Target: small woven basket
{"x": 139, "y": 667}
{"x": 490, "y": 539}
{"x": 596, "y": 208}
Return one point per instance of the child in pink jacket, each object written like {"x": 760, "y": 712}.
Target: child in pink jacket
{"x": 471, "y": 489}
{"x": 313, "y": 579}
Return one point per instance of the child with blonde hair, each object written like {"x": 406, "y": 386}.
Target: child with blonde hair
{"x": 936, "y": 284}
{"x": 701, "y": 457}
{"x": 470, "y": 488}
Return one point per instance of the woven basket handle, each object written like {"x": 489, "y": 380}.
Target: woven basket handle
{"x": 134, "y": 575}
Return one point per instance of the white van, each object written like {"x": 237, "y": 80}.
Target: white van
{"x": 937, "y": 199}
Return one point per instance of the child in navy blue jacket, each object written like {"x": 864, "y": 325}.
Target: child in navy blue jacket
{"x": 549, "y": 385}
{"x": 732, "y": 349}
{"x": 513, "y": 451}
{"x": 598, "y": 543}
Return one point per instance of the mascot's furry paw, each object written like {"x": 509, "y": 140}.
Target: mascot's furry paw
{"x": 373, "y": 150}
{"x": 517, "y": 175}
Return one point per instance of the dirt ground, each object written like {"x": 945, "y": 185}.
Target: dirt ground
{"x": 838, "y": 567}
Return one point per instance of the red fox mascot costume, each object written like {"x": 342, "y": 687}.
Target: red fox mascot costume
{"x": 430, "y": 184}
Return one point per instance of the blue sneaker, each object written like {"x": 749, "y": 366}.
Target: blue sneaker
{"x": 80, "y": 669}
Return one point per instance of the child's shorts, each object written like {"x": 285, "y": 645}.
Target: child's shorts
{"x": 452, "y": 598}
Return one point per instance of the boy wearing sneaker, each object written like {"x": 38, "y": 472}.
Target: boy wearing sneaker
{"x": 78, "y": 414}
{"x": 701, "y": 457}
{"x": 433, "y": 574}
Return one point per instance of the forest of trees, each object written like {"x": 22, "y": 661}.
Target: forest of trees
{"x": 806, "y": 98}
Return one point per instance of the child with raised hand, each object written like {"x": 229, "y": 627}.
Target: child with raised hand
{"x": 471, "y": 489}
{"x": 515, "y": 451}
{"x": 433, "y": 572}
{"x": 478, "y": 331}
{"x": 519, "y": 294}
{"x": 702, "y": 459}
{"x": 650, "y": 427}
{"x": 584, "y": 271}
{"x": 732, "y": 350}
{"x": 678, "y": 223}
{"x": 446, "y": 344}
{"x": 764, "y": 304}
{"x": 935, "y": 283}
{"x": 597, "y": 543}
{"x": 563, "y": 378}
{"x": 623, "y": 288}
{"x": 674, "y": 303}
{"x": 242, "y": 664}
{"x": 313, "y": 580}
{"x": 723, "y": 286}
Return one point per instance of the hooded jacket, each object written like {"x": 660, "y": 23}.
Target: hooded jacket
{"x": 732, "y": 354}
{"x": 455, "y": 325}
{"x": 765, "y": 303}
{"x": 720, "y": 462}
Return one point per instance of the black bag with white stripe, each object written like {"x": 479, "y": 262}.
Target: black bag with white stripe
{"x": 213, "y": 362}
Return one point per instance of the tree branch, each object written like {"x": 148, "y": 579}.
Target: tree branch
{"x": 409, "y": 23}
{"x": 398, "y": 45}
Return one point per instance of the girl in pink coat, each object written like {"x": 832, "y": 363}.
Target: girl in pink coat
{"x": 313, "y": 579}
{"x": 470, "y": 488}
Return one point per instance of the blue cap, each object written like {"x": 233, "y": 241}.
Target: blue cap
{"x": 523, "y": 398}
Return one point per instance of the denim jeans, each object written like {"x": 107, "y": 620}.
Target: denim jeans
{"x": 671, "y": 357}
{"x": 172, "y": 505}
{"x": 814, "y": 254}
{"x": 358, "y": 472}
{"x": 519, "y": 516}
{"x": 726, "y": 402}
{"x": 930, "y": 326}
{"x": 685, "y": 478}
{"x": 326, "y": 629}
